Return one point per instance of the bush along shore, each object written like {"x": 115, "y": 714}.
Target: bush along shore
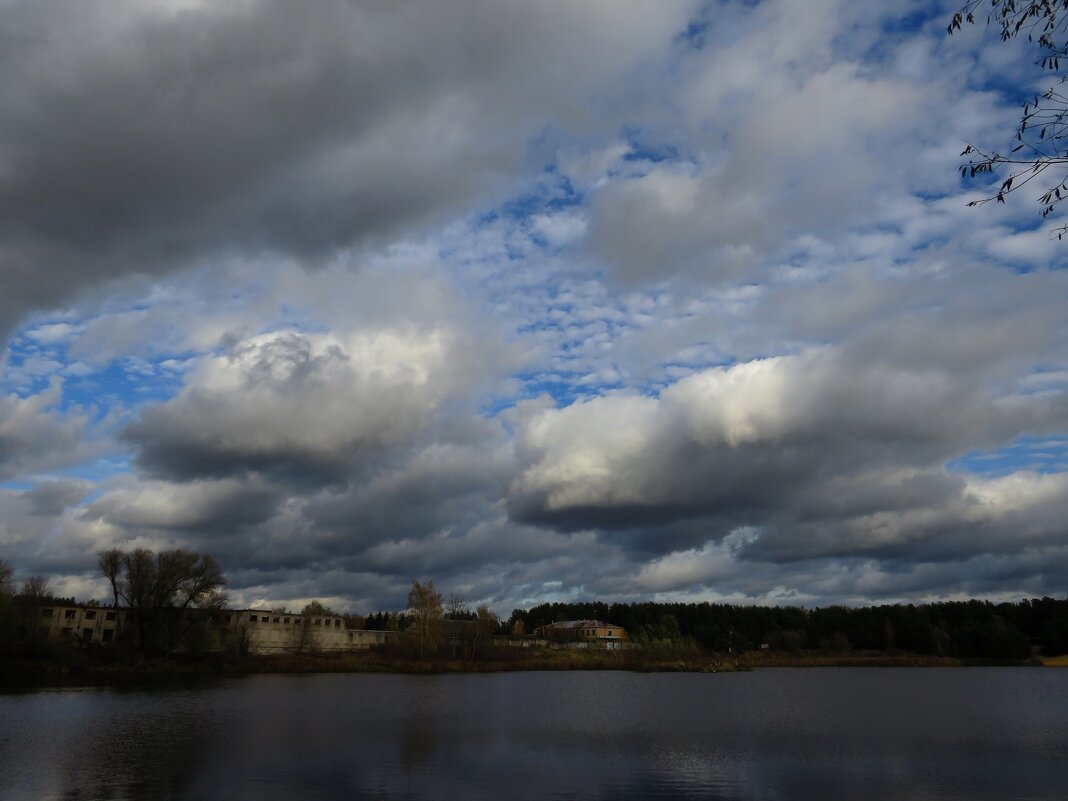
{"x": 73, "y": 666}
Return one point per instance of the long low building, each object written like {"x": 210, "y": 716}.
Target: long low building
{"x": 255, "y": 631}
{"x": 276, "y": 632}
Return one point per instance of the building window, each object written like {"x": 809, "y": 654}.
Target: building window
{"x": 107, "y": 634}
{"x": 87, "y": 635}
{"x": 318, "y": 621}
{"x": 253, "y": 619}
{"x": 69, "y": 614}
{"x": 277, "y": 619}
{"x": 337, "y": 624}
{"x": 285, "y": 621}
{"x": 226, "y": 619}
{"x": 90, "y": 614}
{"x": 109, "y": 616}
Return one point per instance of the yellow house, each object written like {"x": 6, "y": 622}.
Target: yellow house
{"x": 583, "y": 634}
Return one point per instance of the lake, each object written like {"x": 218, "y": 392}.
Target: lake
{"x": 823, "y": 733}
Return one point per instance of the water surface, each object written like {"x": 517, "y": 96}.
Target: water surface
{"x": 945, "y": 733}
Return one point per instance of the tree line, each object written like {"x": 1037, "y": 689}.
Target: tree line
{"x": 159, "y": 589}
{"x": 963, "y": 629}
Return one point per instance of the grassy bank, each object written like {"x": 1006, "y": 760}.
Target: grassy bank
{"x": 1055, "y": 661}
{"x": 78, "y": 667}
{"x": 759, "y": 659}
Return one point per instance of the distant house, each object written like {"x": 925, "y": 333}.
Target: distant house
{"x": 583, "y": 634}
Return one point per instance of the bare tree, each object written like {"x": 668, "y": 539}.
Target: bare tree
{"x": 7, "y": 573}
{"x": 7, "y": 622}
{"x": 457, "y": 608}
{"x": 486, "y": 625}
{"x": 318, "y": 609}
{"x": 110, "y": 564}
{"x": 159, "y": 588}
{"x": 427, "y": 614}
{"x": 36, "y": 589}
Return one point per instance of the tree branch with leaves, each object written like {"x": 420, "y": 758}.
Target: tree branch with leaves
{"x": 1041, "y": 136}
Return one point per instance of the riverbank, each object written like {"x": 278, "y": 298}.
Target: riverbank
{"x": 76, "y": 667}
{"x": 758, "y": 659}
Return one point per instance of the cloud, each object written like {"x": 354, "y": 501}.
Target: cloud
{"x": 304, "y": 405}
{"x": 820, "y": 453}
{"x": 35, "y": 435}
{"x": 143, "y": 138}
{"x": 444, "y": 487}
{"x": 203, "y": 508}
{"x": 52, "y": 497}
{"x": 554, "y": 300}
{"x": 761, "y": 147}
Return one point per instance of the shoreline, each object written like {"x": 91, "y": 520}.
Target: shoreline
{"x": 80, "y": 670}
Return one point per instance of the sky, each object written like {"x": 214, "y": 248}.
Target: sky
{"x": 620, "y": 300}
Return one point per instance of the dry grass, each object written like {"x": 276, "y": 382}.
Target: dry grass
{"x": 1055, "y": 661}
{"x": 852, "y": 659}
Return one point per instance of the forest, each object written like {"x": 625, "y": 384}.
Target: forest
{"x": 962, "y": 629}
{"x": 150, "y": 584}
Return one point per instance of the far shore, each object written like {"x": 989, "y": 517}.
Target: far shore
{"x": 77, "y": 668}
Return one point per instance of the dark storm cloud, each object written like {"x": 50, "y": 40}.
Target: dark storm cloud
{"x": 139, "y": 137}
{"x": 444, "y": 486}
{"x": 971, "y": 516}
{"x": 135, "y": 144}
{"x": 51, "y": 498}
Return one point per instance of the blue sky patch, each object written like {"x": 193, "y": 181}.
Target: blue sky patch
{"x": 1033, "y": 454}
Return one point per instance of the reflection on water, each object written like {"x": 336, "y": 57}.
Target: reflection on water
{"x": 774, "y": 734}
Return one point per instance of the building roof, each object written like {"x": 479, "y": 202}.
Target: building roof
{"x": 581, "y": 624}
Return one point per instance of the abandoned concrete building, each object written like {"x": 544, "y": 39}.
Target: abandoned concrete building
{"x": 256, "y": 631}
